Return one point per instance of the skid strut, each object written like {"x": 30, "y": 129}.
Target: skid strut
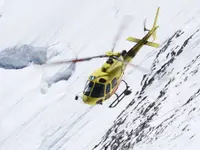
{"x": 119, "y": 98}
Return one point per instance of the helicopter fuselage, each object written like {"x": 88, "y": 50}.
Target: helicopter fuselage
{"x": 103, "y": 82}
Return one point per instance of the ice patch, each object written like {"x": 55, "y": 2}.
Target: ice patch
{"x": 20, "y": 57}
{"x": 63, "y": 74}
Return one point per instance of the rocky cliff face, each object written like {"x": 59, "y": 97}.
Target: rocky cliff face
{"x": 167, "y": 106}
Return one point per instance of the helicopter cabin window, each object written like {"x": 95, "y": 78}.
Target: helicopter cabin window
{"x": 98, "y": 90}
{"x": 114, "y": 82}
{"x": 107, "y": 88}
{"x": 88, "y": 88}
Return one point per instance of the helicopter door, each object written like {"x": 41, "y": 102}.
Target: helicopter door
{"x": 107, "y": 91}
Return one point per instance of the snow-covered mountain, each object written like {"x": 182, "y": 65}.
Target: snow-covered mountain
{"x": 37, "y": 106}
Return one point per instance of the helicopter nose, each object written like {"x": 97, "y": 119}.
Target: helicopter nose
{"x": 88, "y": 100}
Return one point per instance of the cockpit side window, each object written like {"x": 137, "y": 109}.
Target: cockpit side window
{"x": 88, "y": 88}
{"x": 98, "y": 90}
{"x": 114, "y": 82}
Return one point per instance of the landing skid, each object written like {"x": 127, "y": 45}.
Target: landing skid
{"x": 120, "y": 97}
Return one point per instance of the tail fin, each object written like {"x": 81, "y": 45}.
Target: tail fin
{"x": 151, "y": 32}
{"x": 155, "y": 24}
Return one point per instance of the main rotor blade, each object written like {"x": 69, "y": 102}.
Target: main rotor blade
{"x": 123, "y": 25}
{"x": 142, "y": 69}
{"x": 76, "y": 60}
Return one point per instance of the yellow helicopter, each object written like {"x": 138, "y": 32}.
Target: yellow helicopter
{"x": 104, "y": 82}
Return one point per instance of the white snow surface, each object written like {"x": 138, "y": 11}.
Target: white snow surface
{"x": 37, "y": 106}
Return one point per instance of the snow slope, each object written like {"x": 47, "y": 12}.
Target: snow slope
{"x": 37, "y": 106}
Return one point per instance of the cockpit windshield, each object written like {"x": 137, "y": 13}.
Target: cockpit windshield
{"x": 98, "y": 90}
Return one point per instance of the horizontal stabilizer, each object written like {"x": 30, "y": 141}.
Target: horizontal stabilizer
{"x": 156, "y": 45}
